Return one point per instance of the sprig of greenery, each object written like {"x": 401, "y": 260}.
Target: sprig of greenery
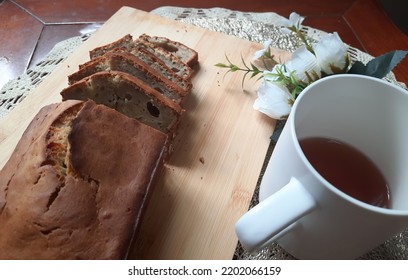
{"x": 302, "y": 37}
{"x": 251, "y": 70}
{"x": 294, "y": 85}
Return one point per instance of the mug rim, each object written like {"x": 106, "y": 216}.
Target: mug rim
{"x": 310, "y": 167}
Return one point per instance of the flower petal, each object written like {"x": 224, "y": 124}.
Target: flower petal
{"x": 273, "y": 100}
{"x": 259, "y": 54}
{"x": 267, "y": 43}
{"x": 295, "y": 20}
{"x": 331, "y": 54}
{"x": 305, "y": 65}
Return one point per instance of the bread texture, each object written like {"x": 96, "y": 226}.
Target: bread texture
{"x": 169, "y": 59}
{"x": 157, "y": 47}
{"x": 129, "y": 96}
{"x": 128, "y": 63}
{"x": 77, "y": 183}
{"x": 124, "y": 42}
{"x": 186, "y": 54}
{"x": 160, "y": 67}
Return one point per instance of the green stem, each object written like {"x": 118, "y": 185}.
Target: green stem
{"x": 304, "y": 40}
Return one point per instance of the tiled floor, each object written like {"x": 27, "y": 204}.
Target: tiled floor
{"x": 30, "y": 28}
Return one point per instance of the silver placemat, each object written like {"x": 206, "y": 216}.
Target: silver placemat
{"x": 256, "y": 27}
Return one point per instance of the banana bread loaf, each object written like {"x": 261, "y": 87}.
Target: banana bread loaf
{"x": 76, "y": 185}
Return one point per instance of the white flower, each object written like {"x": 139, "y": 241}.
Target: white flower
{"x": 294, "y": 21}
{"x": 263, "y": 59}
{"x": 273, "y": 100}
{"x": 331, "y": 54}
{"x": 259, "y": 54}
{"x": 305, "y": 65}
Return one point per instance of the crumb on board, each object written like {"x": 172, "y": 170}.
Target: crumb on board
{"x": 201, "y": 159}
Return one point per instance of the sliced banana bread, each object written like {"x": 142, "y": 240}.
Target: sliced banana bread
{"x": 186, "y": 54}
{"x": 170, "y": 58}
{"x": 158, "y": 65}
{"x": 128, "y": 95}
{"x": 172, "y": 61}
{"x": 124, "y": 42}
{"x": 128, "y": 63}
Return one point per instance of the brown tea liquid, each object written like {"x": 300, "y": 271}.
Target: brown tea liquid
{"x": 347, "y": 169}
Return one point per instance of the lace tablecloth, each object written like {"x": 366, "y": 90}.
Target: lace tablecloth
{"x": 257, "y": 27}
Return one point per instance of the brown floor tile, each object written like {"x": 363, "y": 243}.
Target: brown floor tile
{"x": 69, "y": 11}
{"x": 96, "y": 10}
{"x": 361, "y": 16}
{"x": 387, "y": 36}
{"x": 53, "y": 34}
{"x": 285, "y": 7}
{"x": 19, "y": 33}
{"x": 397, "y": 11}
{"x": 335, "y": 24}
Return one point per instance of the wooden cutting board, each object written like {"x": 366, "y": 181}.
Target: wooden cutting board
{"x": 219, "y": 152}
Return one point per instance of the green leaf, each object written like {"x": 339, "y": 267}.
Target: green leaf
{"x": 222, "y": 65}
{"x": 255, "y": 68}
{"x": 357, "y": 68}
{"x": 380, "y": 66}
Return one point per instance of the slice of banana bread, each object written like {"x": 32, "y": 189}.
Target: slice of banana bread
{"x": 158, "y": 65}
{"x": 186, "y": 54}
{"x": 124, "y": 42}
{"x": 128, "y": 95}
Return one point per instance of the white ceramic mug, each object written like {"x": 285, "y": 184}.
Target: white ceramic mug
{"x": 302, "y": 211}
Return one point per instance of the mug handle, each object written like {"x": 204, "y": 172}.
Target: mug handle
{"x": 268, "y": 220}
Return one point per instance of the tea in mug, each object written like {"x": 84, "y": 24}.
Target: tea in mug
{"x": 347, "y": 169}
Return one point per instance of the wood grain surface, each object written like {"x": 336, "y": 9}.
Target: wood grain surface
{"x": 219, "y": 151}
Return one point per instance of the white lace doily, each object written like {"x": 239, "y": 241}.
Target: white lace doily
{"x": 257, "y": 27}
{"x": 14, "y": 91}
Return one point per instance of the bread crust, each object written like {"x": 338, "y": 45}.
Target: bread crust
{"x": 89, "y": 208}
